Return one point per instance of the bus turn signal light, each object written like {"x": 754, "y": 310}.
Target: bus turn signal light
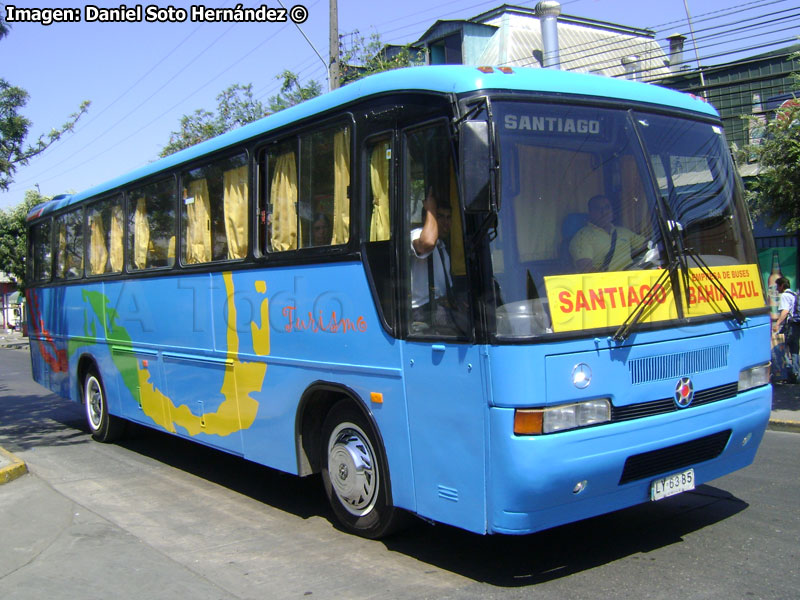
{"x": 528, "y": 422}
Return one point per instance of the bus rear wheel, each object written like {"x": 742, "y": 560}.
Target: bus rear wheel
{"x": 355, "y": 474}
{"x": 103, "y": 426}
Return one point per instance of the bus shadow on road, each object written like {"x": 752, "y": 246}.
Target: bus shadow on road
{"x": 516, "y": 561}
{"x": 503, "y": 561}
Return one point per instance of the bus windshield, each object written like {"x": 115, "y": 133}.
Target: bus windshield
{"x": 587, "y": 197}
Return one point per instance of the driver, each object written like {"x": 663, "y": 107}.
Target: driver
{"x": 602, "y": 246}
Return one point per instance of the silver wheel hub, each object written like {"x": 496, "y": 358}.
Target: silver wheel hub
{"x": 352, "y": 470}
{"x": 94, "y": 402}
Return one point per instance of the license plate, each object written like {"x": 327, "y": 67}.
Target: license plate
{"x": 671, "y": 485}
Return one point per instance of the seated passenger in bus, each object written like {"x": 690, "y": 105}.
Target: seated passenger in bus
{"x": 602, "y": 246}
{"x": 321, "y": 229}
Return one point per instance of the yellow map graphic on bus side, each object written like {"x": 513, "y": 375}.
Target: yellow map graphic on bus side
{"x": 596, "y": 300}
{"x": 238, "y": 410}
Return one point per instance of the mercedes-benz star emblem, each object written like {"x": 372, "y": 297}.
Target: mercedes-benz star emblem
{"x": 581, "y": 376}
{"x": 684, "y": 392}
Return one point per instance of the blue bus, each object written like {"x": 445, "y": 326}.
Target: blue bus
{"x": 500, "y": 299}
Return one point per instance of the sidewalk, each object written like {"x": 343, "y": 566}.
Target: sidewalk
{"x": 13, "y": 339}
{"x": 785, "y": 407}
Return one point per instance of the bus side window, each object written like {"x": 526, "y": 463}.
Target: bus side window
{"x": 42, "y": 255}
{"x": 105, "y": 222}
{"x": 214, "y": 204}
{"x": 437, "y": 303}
{"x": 306, "y": 205}
{"x": 151, "y": 225}
{"x": 69, "y": 245}
{"x": 378, "y": 196}
{"x": 324, "y": 202}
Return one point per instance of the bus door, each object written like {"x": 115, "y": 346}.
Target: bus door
{"x": 443, "y": 380}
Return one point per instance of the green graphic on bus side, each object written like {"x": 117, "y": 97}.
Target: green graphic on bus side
{"x": 241, "y": 379}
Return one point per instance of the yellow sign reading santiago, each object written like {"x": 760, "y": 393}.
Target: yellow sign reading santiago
{"x": 596, "y": 300}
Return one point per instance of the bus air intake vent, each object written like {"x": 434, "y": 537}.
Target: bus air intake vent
{"x": 661, "y": 462}
{"x": 680, "y": 364}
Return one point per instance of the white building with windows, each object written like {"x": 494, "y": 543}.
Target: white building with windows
{"x": 513, "y": 36}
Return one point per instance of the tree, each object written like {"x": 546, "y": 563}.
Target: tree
{"x": 14, "y": 128}
{"x": 13, "y": 236}
{"x": 292, "y": 92}
{"x": 774, "y": 194}
{"x": 362, "y": 57}
{"x": 235, "y": 107}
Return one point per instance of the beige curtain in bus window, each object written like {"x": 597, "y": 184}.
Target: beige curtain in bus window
{"x": 546, "y": 200}
{"x": 379, "y": 227}
{"x": 141, "y": 235}
{"x": 98, "y": 254}
{"x": 458, "y": 264}
{"x": 61, "y": 256}
{"x": 341, "y": 181}
{"x": 198, "y": 222}
{"x": 117, "y": 235}
{"x": 235, "y": 200}
{"x": 283, "y": 195}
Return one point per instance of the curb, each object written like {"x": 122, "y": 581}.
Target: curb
{"x": 15, "y": 467}
{"x": 778, "y": 425}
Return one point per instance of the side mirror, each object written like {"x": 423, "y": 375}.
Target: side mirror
{"x": 475, "y": 166}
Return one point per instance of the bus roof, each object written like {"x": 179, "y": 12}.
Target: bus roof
{"x": 443, "y": 79}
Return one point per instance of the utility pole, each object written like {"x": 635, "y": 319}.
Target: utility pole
{"x": 333, "y": 69}
{"x": 696, "y": 55}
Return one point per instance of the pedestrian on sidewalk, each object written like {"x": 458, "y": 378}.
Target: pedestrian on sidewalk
{"x": 789, "y": 324}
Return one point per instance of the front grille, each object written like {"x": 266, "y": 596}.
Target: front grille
{"x": 679, "y": 364}
{"x": 659, "y": 462}
{"x": 667, "y": 405}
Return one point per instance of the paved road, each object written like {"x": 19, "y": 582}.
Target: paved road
{"x": 157, "y": 517}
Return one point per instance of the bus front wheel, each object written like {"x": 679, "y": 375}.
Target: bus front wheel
{"x": 355, "y": 474}
{"x": 103, "y": 426}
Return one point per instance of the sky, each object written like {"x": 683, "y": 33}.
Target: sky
{"x": 142, "y": 77}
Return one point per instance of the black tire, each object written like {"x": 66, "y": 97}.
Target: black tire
{"x": 355, "y": 474}
{"x": 103, "y": 426}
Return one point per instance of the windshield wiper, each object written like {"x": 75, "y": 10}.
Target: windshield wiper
{"x": 627, "y": 326}
{"x": 682, "y": 252}
{"x": 736, "y": 312}
{"x": 678, "y": 261}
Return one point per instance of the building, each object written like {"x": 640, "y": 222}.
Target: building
{"x": 11, "y": 303}
{"x": 513, "y": 36}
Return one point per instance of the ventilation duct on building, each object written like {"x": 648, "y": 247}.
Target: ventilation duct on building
{"x": 548, "y": 11}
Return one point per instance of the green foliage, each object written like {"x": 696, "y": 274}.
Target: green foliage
{"x": 775, "y": 192}
{"x": 14, "y": 128}
{"x": 364, "y": 57}
{"x": 14, "y": 236}
{"x": 235, "y": 107}
{"x": 292, "y": 92}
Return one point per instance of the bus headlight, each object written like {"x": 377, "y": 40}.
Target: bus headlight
{"x": 753, "y": 377}
{"x": 536, "y": 421}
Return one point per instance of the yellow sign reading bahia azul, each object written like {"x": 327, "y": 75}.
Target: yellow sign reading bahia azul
{"x": 595, "y": 300}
